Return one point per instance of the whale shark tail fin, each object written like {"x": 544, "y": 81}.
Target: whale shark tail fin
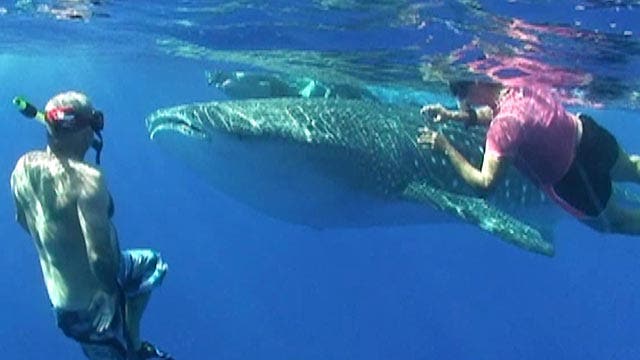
{"x": 479, "y": 212}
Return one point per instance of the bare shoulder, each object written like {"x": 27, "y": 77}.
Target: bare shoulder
{"x": 28, "y": 159}
{"x": 40, "y": 165}
{"x": 24, "y": 165}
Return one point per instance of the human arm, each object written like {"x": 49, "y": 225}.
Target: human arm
{"x": 102, "y": 247}
{"x": 18, "y": 181}
{"x": 20, "y": 215}
{"x": 482, "y": 179}
{"x": 103, "y": 252}
{"x": 468, "y": 115}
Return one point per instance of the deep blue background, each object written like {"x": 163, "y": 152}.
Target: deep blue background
{"x": 243, "y": 286}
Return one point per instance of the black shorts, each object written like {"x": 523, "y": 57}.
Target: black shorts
{"x": 587, "y": 185}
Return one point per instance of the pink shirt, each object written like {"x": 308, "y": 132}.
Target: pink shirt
{"x": 532, "y": 127}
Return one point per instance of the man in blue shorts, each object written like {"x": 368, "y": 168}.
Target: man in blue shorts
{"x": 98, "y": 292}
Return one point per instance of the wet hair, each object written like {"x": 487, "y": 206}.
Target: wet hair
{"x": 81, "y": 106}
{"x": 79, "y": 102}
{"x": 461, "y": 88}
{"x": 59, "y": 140}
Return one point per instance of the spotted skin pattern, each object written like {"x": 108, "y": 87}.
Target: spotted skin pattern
{"x": 373, "y": 146}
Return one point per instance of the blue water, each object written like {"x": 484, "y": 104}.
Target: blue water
{"x": 245, "y": 286}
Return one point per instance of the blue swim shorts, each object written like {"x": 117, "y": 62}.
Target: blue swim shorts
{"x": 141, "y": 270}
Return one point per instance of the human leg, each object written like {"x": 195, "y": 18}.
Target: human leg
{"x": 108, "y": 344}
{"x": 626, "y": 168}
{"x": 134, "y": 310}
{"x": 616, "y": 219}
{"x": 142, "y": 271}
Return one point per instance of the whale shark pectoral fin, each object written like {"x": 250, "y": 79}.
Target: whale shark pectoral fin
{"x": 479, "y": 212}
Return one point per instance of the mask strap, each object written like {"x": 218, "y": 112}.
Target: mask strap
{"x": 97, "y": 145}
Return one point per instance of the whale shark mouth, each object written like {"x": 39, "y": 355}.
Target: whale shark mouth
{"x": 175, "y": 121}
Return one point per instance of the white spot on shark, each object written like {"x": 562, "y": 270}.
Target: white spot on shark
{"x": 249, "y": 119}
{"x": 307, "y": 134}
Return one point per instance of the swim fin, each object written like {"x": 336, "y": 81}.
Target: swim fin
{"x": 149, "y": 351}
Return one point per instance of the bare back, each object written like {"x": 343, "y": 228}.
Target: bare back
{"x": 49, "y": 193}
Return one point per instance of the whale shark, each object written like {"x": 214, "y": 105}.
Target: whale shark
{"x": 329, "y": 163}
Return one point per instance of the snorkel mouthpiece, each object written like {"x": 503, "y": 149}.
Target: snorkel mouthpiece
{"x": 30, "y": 111}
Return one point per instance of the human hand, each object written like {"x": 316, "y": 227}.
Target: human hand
{"x": 435, "y": 112}
{"x": 432, "y": 139}
{"x": 103, "y": 306}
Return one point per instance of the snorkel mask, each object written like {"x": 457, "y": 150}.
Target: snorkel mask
{"x": 67, "y": 119}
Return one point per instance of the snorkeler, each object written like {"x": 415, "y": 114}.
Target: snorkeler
{"x": 250, "y": 85}
{"x": 260, "y": 85}
{"x": 569, "y": 156}
{"x": 98, "y": 292}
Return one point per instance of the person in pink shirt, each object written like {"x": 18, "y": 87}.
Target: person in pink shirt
{"x": 569, "y": 156}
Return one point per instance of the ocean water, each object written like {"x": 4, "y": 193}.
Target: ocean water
{"x": 242, "y": 285}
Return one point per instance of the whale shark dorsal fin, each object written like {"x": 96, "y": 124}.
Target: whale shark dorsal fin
{"x": 479, "y": 212}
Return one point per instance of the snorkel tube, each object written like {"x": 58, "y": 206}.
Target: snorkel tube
{"x": 31, "y": 112}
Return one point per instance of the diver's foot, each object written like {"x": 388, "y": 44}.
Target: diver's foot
{"x": 149, "y": 351}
